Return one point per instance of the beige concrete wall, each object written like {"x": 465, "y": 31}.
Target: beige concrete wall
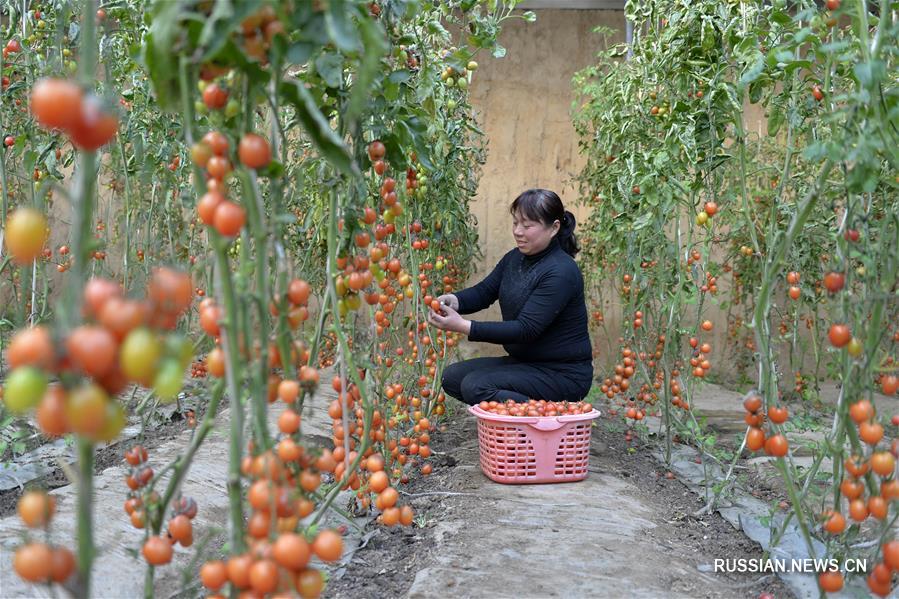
{"x": 523, "y": 103}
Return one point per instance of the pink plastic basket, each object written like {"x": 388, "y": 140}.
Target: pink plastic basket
{"x": 548, "y": 449}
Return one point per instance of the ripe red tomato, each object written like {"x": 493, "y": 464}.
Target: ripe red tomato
{"x": 214, "y": 575}
{"x": 376, "y": 150}
{"x": 831, "y": 581}
{"x": 94, "y": 127}
{"x": 217, "y": 142}
{"x": 254, "y": 151}
{"x": 834, "y": 281}
{"x": 889, "y": 384}
{"x": 839, "y": 335}
{"x": 215, "y": 97}
{"x": 157, "y": 551}
{"x": 778, "y": 415}
{"x": 218, "y": 167}
{"x": 755, "y": 439}
{"x": 776, "y": 446}
{"x": 32, "y": 562}
{"x": 207, "y": 206}
{"x": 229, "y": 218}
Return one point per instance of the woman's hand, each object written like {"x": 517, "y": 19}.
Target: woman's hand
{"x": 449, "y": 320}
{"x": 449, "y": 299}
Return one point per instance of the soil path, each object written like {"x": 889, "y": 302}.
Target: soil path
{"x": 626, "y": 531}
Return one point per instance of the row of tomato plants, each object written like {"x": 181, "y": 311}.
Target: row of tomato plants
{"x": 796, "y": 223}
{"x": 260, "y": 147}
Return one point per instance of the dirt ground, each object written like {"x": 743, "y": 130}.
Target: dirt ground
{"x": 461, "y": 516}
{"x": 387, "y": 566}
{"x": 104, "y": 458}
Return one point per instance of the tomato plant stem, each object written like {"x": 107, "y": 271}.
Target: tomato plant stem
{"x": 233, "y": 371}
{"x": 85, "y": 516}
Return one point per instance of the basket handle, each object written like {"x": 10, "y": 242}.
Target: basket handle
{"x": 547, "y": 425}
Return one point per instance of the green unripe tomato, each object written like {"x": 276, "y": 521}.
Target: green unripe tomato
{"x": 702, "y": 218}
{"x": 200, "y": 107}
{"x": 462, "y": 83}
{"x": 451, "y": 104}
{"x": 450, "y": 82}
{"x": 353, "y": 301}
{"x": 114, "y": 423}
{"x": 180, "y": 348}
{"x": 24, "y": 388}
{"x": 232, "y": 108}
{"x": 472, "y": 66}
{"x": 139, "y": 355}
{"x": 72, "y": 66}
{"x": 168, "y": 380}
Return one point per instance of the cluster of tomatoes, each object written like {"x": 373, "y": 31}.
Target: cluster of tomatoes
{"x": 62, "y": 104}
{"x": 158, "y": 549}
{"x": 401, "y": 450}
{"x": 860, "y": 508}
{"x": 280, "y": 496}
{"x": 198, "y": 369}
{"x": 211, "y": 153}
{"x": 211, "y": 315}
{"x": 536, "y": 408}
{"x": 36, "y": 561}
{"x": 140, "y": 505}
{"x": 775, "y": 445}
{"x": 125, "y": 343}
{"x": 699, "y": 360}
{"x": 709, "y": 210}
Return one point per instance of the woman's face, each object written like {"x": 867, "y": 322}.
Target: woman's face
{"x": 532, "y": 236}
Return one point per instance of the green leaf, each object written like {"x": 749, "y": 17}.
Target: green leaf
{"x": 273, "y": 170}
{"x": 316, "y": 126}
{"x": 400, "y": 76}
{"x": 340, "y": 26}
{"x": 643, "y": 221}
{"x": 798, "y": 64}
{"x": 329, "y": 66}
{"x": 753, "y": 71}
{"x": 300, "y": 52}
{"x": 156, "y": 55}
{"x": 529, "y": 16}
{"x": 775, "y": 120}
{"x": 375, "y": 48}
{"x": 661, "y": 159}
{"x": 499, "y": 51}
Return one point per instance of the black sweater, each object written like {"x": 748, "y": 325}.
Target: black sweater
{"x": 542, "y": 302}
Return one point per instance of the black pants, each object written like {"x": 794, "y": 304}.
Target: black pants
{"x": 498, "y": 379}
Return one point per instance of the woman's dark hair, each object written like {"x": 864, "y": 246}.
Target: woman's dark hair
{"x": 546, "y": 206}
